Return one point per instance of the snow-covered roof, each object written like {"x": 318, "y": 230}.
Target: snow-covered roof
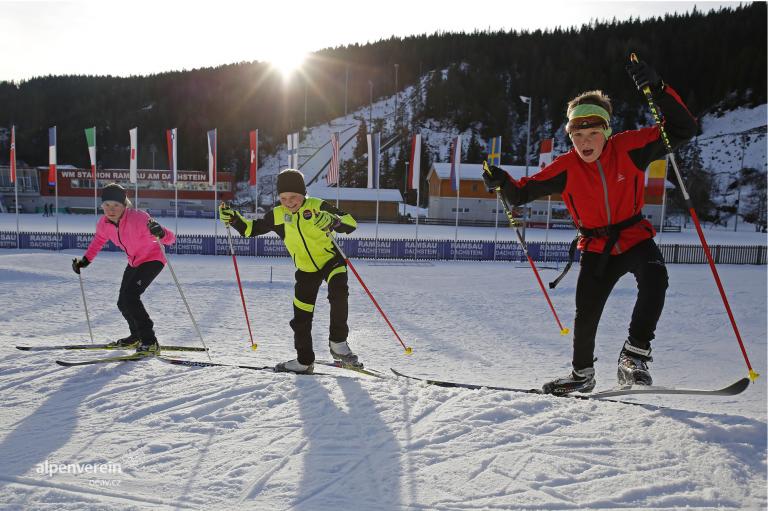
{"x": 474, "y": 171}
{"x": 356, "y": 194}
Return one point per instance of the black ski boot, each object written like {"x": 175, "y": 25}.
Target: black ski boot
{"x": 633, "y": 366}
{"x": 341, "y": 353}
{"x": 126, "y": 342}
{"x": 580, "y": 380}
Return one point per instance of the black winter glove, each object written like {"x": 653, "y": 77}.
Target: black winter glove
{"x": 496, "y": 178}
{"x": 645, "y": 76}
{"x": 79, "y": 263}
{"x": 155, "y": 229}
{"x": 326, "y": 221}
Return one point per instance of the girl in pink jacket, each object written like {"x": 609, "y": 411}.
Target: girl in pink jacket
{"x": 137, "y": 234}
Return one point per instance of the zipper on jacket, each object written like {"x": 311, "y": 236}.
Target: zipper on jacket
{"x": 605, "y": 197}
{"x": 575, "y": 211}
{"x": 301, "y": 235}
{"x": 117, "y": 228}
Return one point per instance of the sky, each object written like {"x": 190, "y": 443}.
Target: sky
{"x": 109, "y": 37}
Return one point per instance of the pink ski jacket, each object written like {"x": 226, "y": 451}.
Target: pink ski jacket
{"x": 132, "y": 236}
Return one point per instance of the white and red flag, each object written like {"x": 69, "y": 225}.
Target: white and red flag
{"x": 134, "y": 134}
{"x": 545, "y": 153}
{"x": 52, "y": 156}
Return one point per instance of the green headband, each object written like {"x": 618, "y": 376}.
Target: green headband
{"x": 587, "y": 110}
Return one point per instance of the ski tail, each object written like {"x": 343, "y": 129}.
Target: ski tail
{"x": 124, "y": 358}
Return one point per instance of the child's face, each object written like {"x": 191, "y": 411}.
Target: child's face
{"x": 113, "y": 210}
{"x": 589, "y": 143}
{"x": 291, "y": 200}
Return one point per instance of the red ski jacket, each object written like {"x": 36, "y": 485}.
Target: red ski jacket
{"x": 610, "y": 190}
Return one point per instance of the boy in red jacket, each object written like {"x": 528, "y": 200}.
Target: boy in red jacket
{"x": 138, "y": 235}
{"x": 602, "y": 183}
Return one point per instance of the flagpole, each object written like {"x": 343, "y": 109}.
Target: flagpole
{"x": 56, "y": 202}
{"x": 546, "y": 230}
{"x": 95, "y": 193}
{"x": 416, "y": 248}
{"x": 16, "y": 205}
{"x": 215, "y": 191}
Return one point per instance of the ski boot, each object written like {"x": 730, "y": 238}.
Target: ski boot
{"x": 148, "y": 348}
{"x": 126, "y": 342}
{"x": 633, "y": 366}
{"x": 580, "y": 380}
{"x": 343, "y": 355}
{"x": 294, "y": 366}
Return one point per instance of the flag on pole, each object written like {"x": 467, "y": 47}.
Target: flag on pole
{"x": 293, "y": 150}
{"x": 172, "y": 163}
{"x": 52, "y": 156}
{"x": 374, "y": 143}
{"x": 212, "y": 157}
{"x": 90, "y": 138}
{"x": 254, "y": 137}
{"x": 414, "y": 169}
{"x": 332, "y": 177}
{"x": 494, "y": 151}
{"x": 545, "y": 153}
{"x": 134, "y": 133}
{"x": 13, "y": 154}
{"x": 456, "y": 163}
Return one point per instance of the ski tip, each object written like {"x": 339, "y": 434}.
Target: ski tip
{"x": 62, "y": 363}
{"x": 740, "y": 386}
{"x": 23, "y": 348}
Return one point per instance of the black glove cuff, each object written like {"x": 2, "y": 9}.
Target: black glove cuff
{"x": 238, "y": 224}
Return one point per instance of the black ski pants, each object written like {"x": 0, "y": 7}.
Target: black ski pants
{"x": 135, "y": 282}
{"x": 646, "y": 263}
{"x": 305, "y": 296}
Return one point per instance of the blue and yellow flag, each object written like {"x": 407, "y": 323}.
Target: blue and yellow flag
{"x": 494, "y": 151}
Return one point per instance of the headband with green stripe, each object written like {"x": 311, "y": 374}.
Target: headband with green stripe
{"x": 589, "y": 116}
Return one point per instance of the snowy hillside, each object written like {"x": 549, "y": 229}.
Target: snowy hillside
{"x": 226, "y": 438}
{"x": 724, "y": 136}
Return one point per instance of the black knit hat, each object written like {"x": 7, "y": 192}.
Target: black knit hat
{"x": 291, "y": 180}
{"x": 113, "y": 192}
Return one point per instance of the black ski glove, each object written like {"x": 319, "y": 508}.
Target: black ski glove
{"x": 79, "y": 263}
{"x": 496, "y": 178}
{"x": 644, "y": 75}
{"x": 155, "y": 229}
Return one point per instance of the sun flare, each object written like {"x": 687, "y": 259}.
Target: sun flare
{"x": 287, "y": 60}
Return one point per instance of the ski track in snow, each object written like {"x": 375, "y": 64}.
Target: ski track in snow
{"x": 227, "y": 438}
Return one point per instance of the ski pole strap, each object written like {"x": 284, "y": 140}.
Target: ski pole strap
{"x": 611, "y": 232}
{"x": 571, "y": 254}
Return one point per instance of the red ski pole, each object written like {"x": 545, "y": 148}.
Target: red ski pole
{"x": 408, "y": 349}
{"x": 513, "y": 224}
{"x": 240, "y": 286}
{"x": 649, "y": 98}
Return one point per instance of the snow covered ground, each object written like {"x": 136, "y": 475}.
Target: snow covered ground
{"x": 226, "y": 438}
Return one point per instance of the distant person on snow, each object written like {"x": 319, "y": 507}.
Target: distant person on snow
{"x": 602, "y": 182}
{"x": 305, "y": 224}
{"x": 137, "y": 234}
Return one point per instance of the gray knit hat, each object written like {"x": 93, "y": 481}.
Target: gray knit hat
{"x": 291, "y": 180}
